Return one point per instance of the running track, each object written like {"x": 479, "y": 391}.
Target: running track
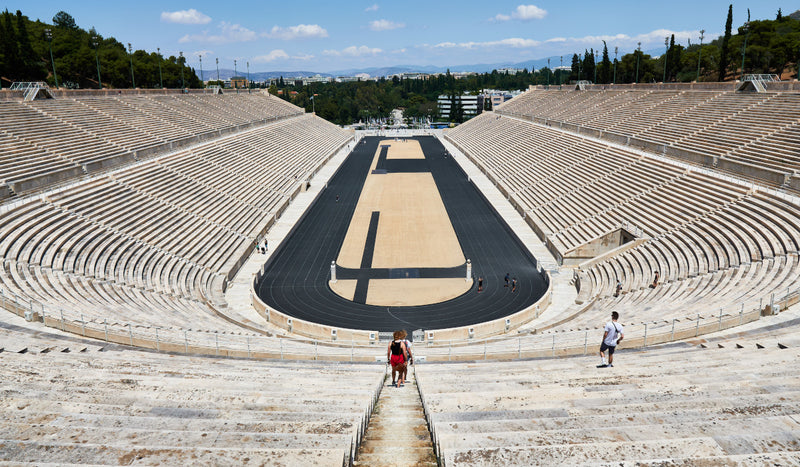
{"x": 297, "y": 274}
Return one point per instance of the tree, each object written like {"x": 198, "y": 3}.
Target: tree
{"x": 62, "y": 19}
{"x": 588, "y": 65}
{"x": 575, "y": 67}
{"x": 8, "y": 48}
{"x": 30, "y": 64}
{"x": 723, "y": 53}
{"x": 605, "y": 66}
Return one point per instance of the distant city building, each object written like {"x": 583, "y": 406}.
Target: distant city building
{"x": 471, "y": 105}
{"x": 410, "y": 75}
{"x": 238, "y": 82}
{"x": 511, "y": 71}
{"x": 497, "y": 97}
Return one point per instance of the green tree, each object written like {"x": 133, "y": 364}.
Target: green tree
{"x": 605, "y": 71}
{"x": 9, "y": 50}
{"x": 62, "y": 19}
{"x": 723, "y": 55}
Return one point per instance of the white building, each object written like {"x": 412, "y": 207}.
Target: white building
{"x": 471, "y": 105}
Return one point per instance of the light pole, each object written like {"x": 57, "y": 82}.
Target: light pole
{"x": 638, "y": 53}
{"x": 130, "y": 54}
{"x": 160, "y": 78}
{"x": 744, "y": 48}
{"x": 666, "y": 45}
{"x": 201, "y": 70}
{"x": 559, "y": 72}
{"x": 616, "y": 51}
{"x": 548, "y": 73}
{"x": 48, "y": 34}
{"x": 580, "y": 66}
{"x": 180, "y": 64}
{"x": 594, "y": 61}
{"x": 234, "y": 74}
{"x": 700, "y": 52}
{"x": 248, "y": 77}
{"x": 97, "y": 62}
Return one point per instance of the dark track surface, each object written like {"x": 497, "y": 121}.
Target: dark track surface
{"x": 296, "y": 279}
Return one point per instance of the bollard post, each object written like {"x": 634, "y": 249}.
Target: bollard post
{"x": 672, "y": 334}
{"x": 248, "y": 346}
{"x": 720, "y": 319}
{"x": 83, "y": 325}
{"x": 130, "y": 333}
{"x": 697, "y": 327}
{"x": 741, "y": 314}
{"x": 105, "y": 327}
{"x": 216, "y": 341}
{"x": 333, "y": 271}
{"x": 484, "y": 350}
{"x": 469, "y": 269}
{"x": 585, "y": 342}
{"x": 158, "y": 344}
{"x": 644, "y": 344}
{"x": 62, "y": 320}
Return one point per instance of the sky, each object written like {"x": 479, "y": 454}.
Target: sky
{"x": 326, "y": 36}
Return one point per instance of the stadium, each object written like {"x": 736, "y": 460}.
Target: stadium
{"x": 199, "y": 276}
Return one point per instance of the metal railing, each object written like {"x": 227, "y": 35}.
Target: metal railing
{"x": 259, "y": 346}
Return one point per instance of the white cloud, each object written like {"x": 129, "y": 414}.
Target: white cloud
{"x": 649, "y": 39}
{"x": 528, "y": 12}
{"x": 273, "y": 55}
{"x": 279, "y": 54}
{"x": 353, "y": 51}
{"x": 514, "y": 42}
{"x": 228, "y": 33}
{"x": 374, "y": 7}
{"x": 523, "y": 13}
{"x": 385, "y": 25}
{"x": 190, "y": 16}
{"x": 301, "y": 31}
{"x": 203, "y": 53}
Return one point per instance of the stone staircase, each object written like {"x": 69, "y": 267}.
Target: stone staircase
{"x": 398, "y": 433}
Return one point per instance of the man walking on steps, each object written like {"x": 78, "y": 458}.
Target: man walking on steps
{"x": 611, "y": 337}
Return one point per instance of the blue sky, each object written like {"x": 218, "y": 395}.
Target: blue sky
{"x": 327, "y": 35}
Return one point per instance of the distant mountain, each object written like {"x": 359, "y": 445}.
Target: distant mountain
{"x": 227, "y": 73}
{"x": 795, "y": 15}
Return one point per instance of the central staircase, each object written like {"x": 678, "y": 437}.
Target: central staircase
{"x": 398, "y": 434}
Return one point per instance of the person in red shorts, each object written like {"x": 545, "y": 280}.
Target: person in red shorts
{"x": 396, "y": 356}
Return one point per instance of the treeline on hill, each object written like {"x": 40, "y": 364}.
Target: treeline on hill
{"x": 773, "y": 47}
{"x": 354, "y": 101}
{"x": 25, "y": 56}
